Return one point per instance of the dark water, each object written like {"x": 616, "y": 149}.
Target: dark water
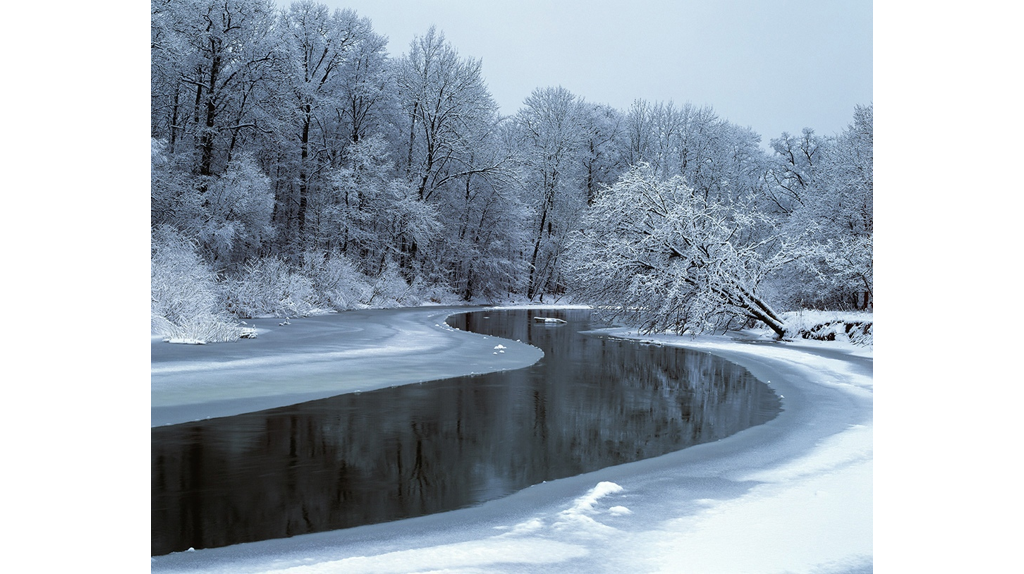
{"x": 355, "y": 459}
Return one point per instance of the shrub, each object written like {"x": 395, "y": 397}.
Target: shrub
{"x": 391, "y": 290}
{"x": 185, "y": 306}
{"x": 268, "y": 287}
{"x": 335, "y": 280}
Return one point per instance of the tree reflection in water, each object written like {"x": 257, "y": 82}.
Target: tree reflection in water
{"x": 412, "y": 450}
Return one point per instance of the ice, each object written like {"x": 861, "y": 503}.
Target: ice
{"x": 319, "y": 357}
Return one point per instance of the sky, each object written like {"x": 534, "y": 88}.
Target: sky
{"x": 771, "y": 66}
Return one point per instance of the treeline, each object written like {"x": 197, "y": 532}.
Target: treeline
{"x": 296, "y": 166}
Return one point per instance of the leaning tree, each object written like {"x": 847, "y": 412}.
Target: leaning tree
{"x": 660, "y": 255}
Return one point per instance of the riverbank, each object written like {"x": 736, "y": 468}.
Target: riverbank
{"x": 792, "y": 495}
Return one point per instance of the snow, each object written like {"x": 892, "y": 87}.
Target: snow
{"x": 539, "y": 306}
{"x": 549, "y": 320}
{"x": 792, "y": 495}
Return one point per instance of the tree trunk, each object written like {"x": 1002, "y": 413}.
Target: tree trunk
{"x": 531, "y": 289}
{"x": 412, "y": 140}
{"x": 303, "y": 184}
{"x": 174, "y": 118}
{"x": 206, "y": 163}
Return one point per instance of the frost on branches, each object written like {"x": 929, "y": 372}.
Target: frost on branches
{"x": 832, "y": 219}
{"x": 659, "y": 255}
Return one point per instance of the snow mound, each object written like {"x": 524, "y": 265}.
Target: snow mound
{"x": 578, "y": 518}
{"x": 586, "y": 502}
{"x": 855, "y": 327}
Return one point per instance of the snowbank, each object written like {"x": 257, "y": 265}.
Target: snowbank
{"x": 792, "y": 495}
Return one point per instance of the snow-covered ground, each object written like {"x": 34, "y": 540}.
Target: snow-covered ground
{"x": 792, "y": 495}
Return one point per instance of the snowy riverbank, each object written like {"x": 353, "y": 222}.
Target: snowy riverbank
{"x": 792, "y": 495}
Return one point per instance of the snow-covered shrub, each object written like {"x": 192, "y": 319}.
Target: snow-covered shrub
{"x": 390, "y": 289}
{"x": 437, "y": 293}
{"x": 269, "y": 287}
{"x": 335, "y": 280}
{"x": 186, "y": 298}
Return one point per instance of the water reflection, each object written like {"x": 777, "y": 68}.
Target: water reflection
{"x": 355, "y": 459}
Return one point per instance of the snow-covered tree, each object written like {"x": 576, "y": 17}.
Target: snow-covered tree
{"x": 662, "y": 256}
{"x": 552, "y": 126}
{"x": 793, "y": 170}
{"x": 479, "y": 250}
{"x": 367, "y": 103}
{"x": 601, "y": 156}
{"x": 318, "y": 46}
{"x": 215, "y": 58}
{"x": 833, "y": 223}
{"x": 452, "y": 155}
{"x": 236, "y": 213}
{"x": 174, "y": 199}
{"x": 718, "y": 159}
{"x": 446, "y": 102}
{"x": 229, "y": 220}
{"x": 371, "y": 215}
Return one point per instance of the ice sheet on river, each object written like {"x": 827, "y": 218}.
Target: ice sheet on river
{"x": 792, "y": 495}
{"x": 318, "y": 357}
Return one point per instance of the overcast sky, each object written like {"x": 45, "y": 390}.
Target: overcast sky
{"x": 774, "y": 66}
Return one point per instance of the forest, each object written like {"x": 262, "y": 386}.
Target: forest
{"x": 298, "y": 168}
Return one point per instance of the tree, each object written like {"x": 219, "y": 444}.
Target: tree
{"x": 367, "y": 102}
{"x": 480, "y": 248}
{"x": 174, "y": 200}
{"x": 236, "y": 216}
{"x": 833, "y": 224}
{"x": 793, "y": 171}
{"x": 318, "y": 45}
{"x": 602, "y": 159}
{"x": 370, "y": 214}
{"x": 663, "y": 256}
{"x": 215, "y": 59}
{"x": 445, "y": 99}
{"x": 449, "y": 145}
{"x": 552, "y": 125}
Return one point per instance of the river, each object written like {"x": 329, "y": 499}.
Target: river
{"x": 411, "y": 450}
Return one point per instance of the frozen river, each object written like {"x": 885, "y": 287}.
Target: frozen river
{"x": 793, "y": 494}
{"x": 411, "y": 450}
